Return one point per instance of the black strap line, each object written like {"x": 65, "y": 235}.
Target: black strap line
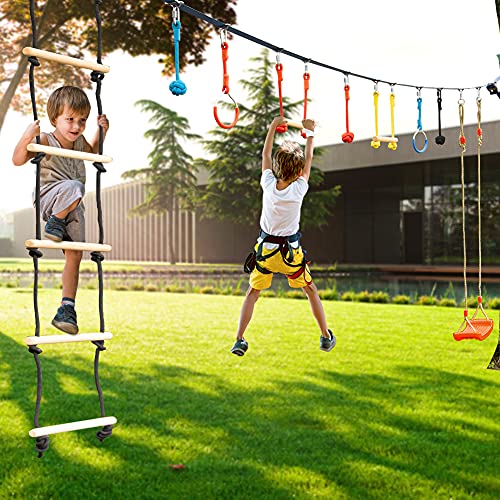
{"x": 276, "y": 48}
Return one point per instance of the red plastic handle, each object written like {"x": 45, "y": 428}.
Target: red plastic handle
{"x": 224, "y": 125}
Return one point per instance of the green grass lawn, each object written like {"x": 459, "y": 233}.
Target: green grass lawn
{"x": 397, "y": 410}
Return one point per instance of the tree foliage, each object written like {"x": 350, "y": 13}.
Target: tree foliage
{"x": 68, "y": 27}
{"x": 233, "y": 191}
{"x": 170, "y": 179}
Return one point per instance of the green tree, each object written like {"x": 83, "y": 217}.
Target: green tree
{"x": 233, "y": 191}
{"x": 170, "y": 179}
{"x": 68, "y": 27}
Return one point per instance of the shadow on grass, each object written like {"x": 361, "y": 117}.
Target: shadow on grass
{"x": 414, "y": 431}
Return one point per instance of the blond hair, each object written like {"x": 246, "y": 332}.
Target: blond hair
{"x": 73, "y": 97}
{"x": 288, "y": 161}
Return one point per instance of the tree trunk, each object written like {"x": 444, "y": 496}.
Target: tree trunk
{"x": 172, "y": 258}
{"x": 11, "y": 89}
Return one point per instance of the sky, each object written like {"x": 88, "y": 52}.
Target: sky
{"x": 446, "y": 43}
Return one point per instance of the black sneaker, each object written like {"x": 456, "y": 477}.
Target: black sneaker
{"x": 54, "y": 229}
{"x": 240, "y": 347}
{"x": 65, "y": 319}
{"x": 327, "y": 344}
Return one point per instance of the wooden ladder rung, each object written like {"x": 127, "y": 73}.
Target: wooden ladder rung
{"x": 72, "y": 426}
{"x": 61, "y": 339}
{"x": 68, "y": 153}
{"x": 72, "y": 61}
{"x": 68, "y": 245}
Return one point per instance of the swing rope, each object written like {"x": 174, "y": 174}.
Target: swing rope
{"x": 280, "y": 129}
{"x": 42, "y": 442}
{"x": 392, "y": 145}
{"x": 347, "y": 136}
{"x": 375, "y": 144}
{"x": 98, "y": 257}
{"x": 177, "y": 87}
{"x": 419, "y": 127}
{"x": 440, "y": 139}
{"x": 463, "y": 147}
{"x": 479, "y": 144}
{"x": 306, "y": 77}
{"x": 225, "y": 83}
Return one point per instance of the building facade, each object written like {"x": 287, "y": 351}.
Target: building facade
{"x": 396, "y": 207}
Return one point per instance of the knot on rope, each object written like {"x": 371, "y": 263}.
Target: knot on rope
{"x": 42, "y": 445}
{"x": 105, "y": 432}
{"x": 33, "y": 60}
{"x": 99, "y": 166}
{"x": 440, "y": 140}
{"x": 393, "y": 146}
{"x": 38, "y": 158}
{"x": 96, "y": 76}
{"x": 96, "y": 257}
{"x": 99, "y": 344}
{"x": 35, "y": 253}
{"x": 281, "y": 129}
{"x": 178, "y": 87}
{"x": 34, "y": 349}
{"x": 347, "y": 137}
{"x": 375, "y": 144}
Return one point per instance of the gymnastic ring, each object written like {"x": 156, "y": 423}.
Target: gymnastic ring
{"x": 426, "y": 142}
{"x": 236, "y": 114}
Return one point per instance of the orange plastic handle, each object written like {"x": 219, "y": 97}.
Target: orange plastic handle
{"x": 223, "y": 125}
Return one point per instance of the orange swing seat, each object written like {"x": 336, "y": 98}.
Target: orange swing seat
{"x": 474, "y": 328}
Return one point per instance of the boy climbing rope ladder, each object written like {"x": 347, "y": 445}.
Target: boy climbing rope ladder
{"x": 284, "y": 182}
{"x": 63, "y": 185}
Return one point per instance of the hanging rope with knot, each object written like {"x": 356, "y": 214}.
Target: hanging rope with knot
{"x": 177, "y": 87}
{"x": 98, "y": 257}
{"x": 42, "y": 443}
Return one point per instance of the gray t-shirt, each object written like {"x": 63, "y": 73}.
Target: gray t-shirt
{"x": 57, "y": 168}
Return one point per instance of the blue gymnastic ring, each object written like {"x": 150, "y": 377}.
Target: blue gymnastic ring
{"x": 426, "y": 142}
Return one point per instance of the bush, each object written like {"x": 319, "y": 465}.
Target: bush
{"x": 11, "y": 284}
{"x": 137, "y": 287}
{"x": 151, "y": 287}
{"x": 175, "y": 289}
{"x": 472, "y": 302}
{"x": 121, "y": 287}
{"x": 348, "y": 296}
{"x": 268, "y": 293}
{"x": 207, "y": 290}
{"x": 294, "y": 294}
{"x": 401, "y": 299}
{"x": 445, "y": 302}
{"x": 494, "y": 303}
{"x": 328, "y": 294}
{"x": 379, "y": 297}
{"x": 427, "y": 300}
{"x": 362, "y": 296}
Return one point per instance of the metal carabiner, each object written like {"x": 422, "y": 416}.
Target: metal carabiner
{"x": 176, "y": 14}
{"x": 222, "y": 31}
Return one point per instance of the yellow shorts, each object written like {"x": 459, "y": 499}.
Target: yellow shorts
{"x": 276, "y": 264}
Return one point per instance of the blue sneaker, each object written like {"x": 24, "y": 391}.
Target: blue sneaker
{"x": 54, "y": 229}
{"x": 240, "y": 347}
{"x": 327, "y": 344}
{"x": 65, "y": 319}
